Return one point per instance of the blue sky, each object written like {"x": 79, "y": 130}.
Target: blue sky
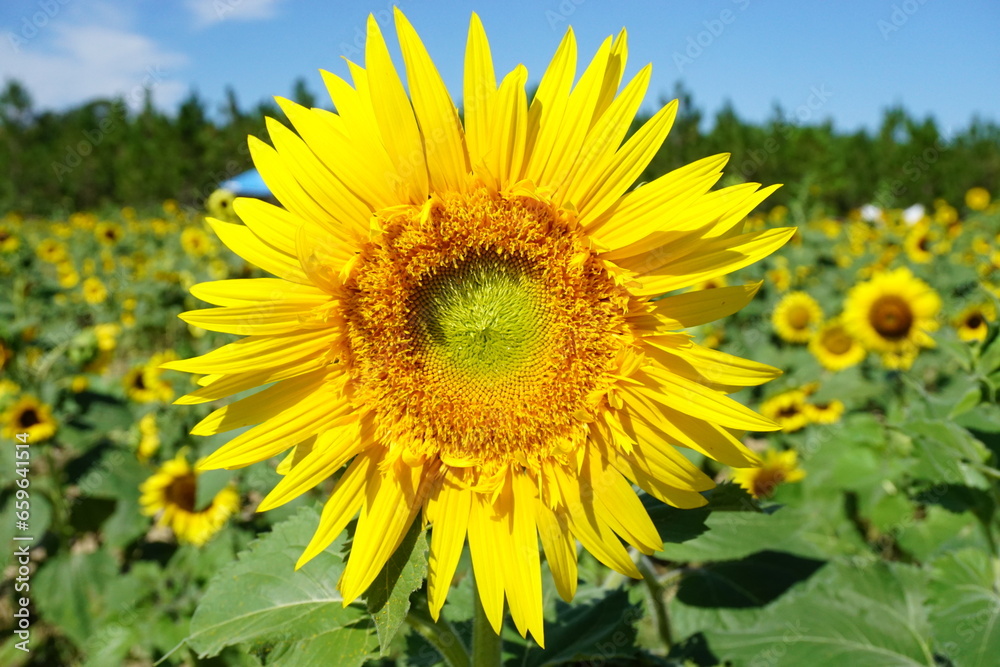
{"x": 846, "y": 60}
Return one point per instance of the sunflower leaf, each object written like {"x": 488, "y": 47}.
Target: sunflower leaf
{"x": 388, "y": 597}
{"x": 289, "y": 616}
{"x": 965, "y": 613}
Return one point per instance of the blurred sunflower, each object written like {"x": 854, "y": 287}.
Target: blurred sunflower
{"x": 31, "y": 416}
{"x": 918, "y": 244}
{"x": 835, "y": 348}
{"x": 50, "y": 250}
{"x": 796, "y": 317}
{"x": 463, "y": 316}
{"x": 973, "y": 321}
{"x": 777, "y": 468}
{"x": 220, "y": 203}
{"x": 195, "y": 242}
{"x": 108, "y": 233}
{"x": 893, "y": 314}
{"x": 977, "y": 198}
{"x": 94, "y": 291}
{"x": 787, "y": 409}
{"x": 171, "y": 492}
{"x": 145, "y": 384}
{"x": 829, "y": 412}
{"x": 149, "y": 438}
{"x": 9, "y": 241}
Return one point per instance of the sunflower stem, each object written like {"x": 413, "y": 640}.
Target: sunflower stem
{"x": 487, "y": 646}
{"x": 441, "y": 635}
{"x": 656, "y": 598}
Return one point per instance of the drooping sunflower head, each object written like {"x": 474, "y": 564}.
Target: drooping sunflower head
{"x": 835, "y": 348}
{"x": 171, "y": 494}
{"x": 778, "y": 468}
{"x": 462, "y": 315}
{"x": 893, "y": 314}
{"x": 796, "y": 317}
{"x": 31, "y": 416}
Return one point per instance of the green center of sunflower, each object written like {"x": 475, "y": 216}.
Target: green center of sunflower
{"x": 482, "y": 318}
{"x": 891, "y": 317}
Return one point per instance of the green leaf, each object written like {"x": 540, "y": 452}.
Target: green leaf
{"x": 293, "y": 617}
{"x": 970, "y": 399}
{"x": 946, "y": 453}
{"x": 965, "y": 608}
{"x": 388, "y": 597}
{"x": 601, "y": 630}
{"x": 69, "y": 591}
{"x": 871, "y": 617}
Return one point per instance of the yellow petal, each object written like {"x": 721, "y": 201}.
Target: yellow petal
{"x": 693, "y": 309}
{"x": 447, "y": 160}
{"x": 480, "y": 89}
{"x": 448, "y": 507}
{"x": 548, "y": 107}
{"x": 250, "y": 247}
{"x": 560, "y": 549}
{"x": 486, "y": 560}
{"x": 510, "y": 123}
{"x": 222, "y": 386}
{"x": 248, "y": 291}
{"x": 258, "y": 352}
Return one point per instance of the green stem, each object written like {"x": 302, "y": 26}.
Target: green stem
{"x": 659, "y": 605}
{"x": 487, "y": 647}
{"x": 441, "y": 635}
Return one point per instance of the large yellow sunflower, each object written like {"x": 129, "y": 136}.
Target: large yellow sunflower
{"x": 31, "y": 416}
{"x": 835, "y": 348}
{"x": 171, "y": 492}
{"x": 796, "y": 317}
{"x": 462, "y": 314}
{"x": 893, "y": 314}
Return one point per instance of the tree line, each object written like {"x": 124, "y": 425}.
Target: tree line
{"x": 116, "y": 152}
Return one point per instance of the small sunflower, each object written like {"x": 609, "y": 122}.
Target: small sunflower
{"x": 149, "y": 438}
{"x": 464, "y": 316}
{"x": 788, "y": 409}
{"x": 220, "y": 204}
{"x": 892, "y": 314}
{"x": 31, "y": 416}
{"x": 108, "y": 233}
{"x": 973, "y": 321}
{"x": 977, "y": 198}
{"x": 919, "y": 243}
{"x": 777, "y": 468}
{"x": 171, "y": 492}
{"x": 145, "y": 384}
{"x": 796, "y": 317}
{"x": 94, "y": 291}
{"x": 51, "y": 251}
{"x": 9, "y": 241}
{"x": 829, "y": 412}
{"x": 195, "y": 242}
{"x": 835, "y": 348}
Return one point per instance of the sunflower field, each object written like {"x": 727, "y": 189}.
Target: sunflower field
{"x": 159, "y": 508}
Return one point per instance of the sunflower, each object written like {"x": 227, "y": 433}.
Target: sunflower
{"x": 67, "y": 274}
{"x": 31, "y": 416}
{"x": 787, "y": 409}
{"x": 464, "y": 317}
{"x": 144, "y": 384}
{"x": 220, "y": 203}
{"x": 108, "y": 233}
{"x": 796, "y": 317}
{"x": 977, "y": 198}
{"x": 171, "y": 493}
{"x": 149, "y": 438}
{"x": 777, "y": 468}
{"x": 828, "y": 412}
{"x": 195, "y": 242}
{"x": 835, "y": 348}
{"x": 94, "y": 291}
{"x": 9, "y": 241}
{"x": 892, "y": 314}
{"x": 51, "y": 251}
{"x": 919, "y": 244}
{"x": 973, "y": 321}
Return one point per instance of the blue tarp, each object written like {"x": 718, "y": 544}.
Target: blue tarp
{"x": 247, "y": 184}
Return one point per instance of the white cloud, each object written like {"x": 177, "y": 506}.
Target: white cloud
{"x": 209, "y": 12}
{"x": 66, "y": 64}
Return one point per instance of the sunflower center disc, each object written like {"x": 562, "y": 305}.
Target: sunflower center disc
{"x": 799, "y": 318}
{"x": 891, "y": 317}
{"x": 836, "y": 341}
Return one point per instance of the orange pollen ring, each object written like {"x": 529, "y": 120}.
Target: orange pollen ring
{"x": 479, "y": 327}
